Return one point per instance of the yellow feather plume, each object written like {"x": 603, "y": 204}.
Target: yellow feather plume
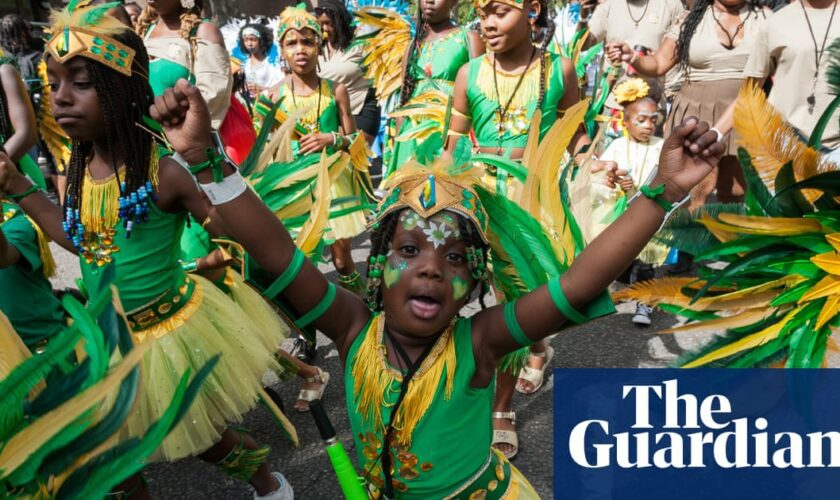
{"x": 384, "y": 52}
{"x": 57, "y": 142}
{"x": 772, "y": 142}
{"x": 29, "y": 440}
{"x": 311, "y": 232}
{"x": 12, "y": 349}
{"x": 745, "y": 318}
{"x": 770, "y": 226}
{"x": 748, "y": 342}
{"x": 105, "y": 25}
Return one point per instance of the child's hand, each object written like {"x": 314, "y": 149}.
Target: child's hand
{"x": 688, "y": 155}
{"x": 185, "y": 119}
{"x": 613, "y": 175}
{"x": 314, "y": 143}
{"x": 618, "y": 52}
{"x": 626, "y": 183}
{"x": 12, "y": 181}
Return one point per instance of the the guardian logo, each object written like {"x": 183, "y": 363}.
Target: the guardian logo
{"x": 686, "y": 432}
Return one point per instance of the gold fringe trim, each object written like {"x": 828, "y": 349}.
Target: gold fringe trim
{"x": 306, "y": 107}
{"x": 100, "y": 201}
{"x": 529, "y": 89}
{"x": 44, "y": 252}
{"x": 374, "y": 377}
{"x": 159, "y": 330}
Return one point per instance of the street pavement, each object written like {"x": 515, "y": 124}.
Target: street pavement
{"x": 608, "y": 342}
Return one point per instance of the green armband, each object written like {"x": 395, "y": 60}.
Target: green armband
{"x": 513, "y": 326}
{"x": 562, "y": 305}
{"x": 319, "y": 309}
{"x": 24, "y": 194}
{"x": 655, "y": 194}
{"x": 190, "y": 266}
{"x": 213, "y": 162}
{"x": 289, "y": 275}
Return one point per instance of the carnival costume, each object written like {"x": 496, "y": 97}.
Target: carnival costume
{"x": 281, "y": 165}
{"x": 526, "y": 252}
{"x": 27, "y": 297}
{"x": 187, "y": 320}
{"x": 777, "y": 298}
{"x": 55, "y": 440}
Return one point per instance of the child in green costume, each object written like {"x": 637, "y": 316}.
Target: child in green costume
{"x": 416, "y": 374}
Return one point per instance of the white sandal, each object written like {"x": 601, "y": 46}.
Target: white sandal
{"x": 535, "y": 376}
{"x": 310, "y": 395}
{"x": 506, "y": 437}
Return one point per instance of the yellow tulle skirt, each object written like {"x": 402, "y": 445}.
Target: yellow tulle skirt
{"x": 350, "y": 225}
{"x": 243, "y": 331}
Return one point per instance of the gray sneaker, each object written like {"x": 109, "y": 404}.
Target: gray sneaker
{"x": 642, "y": 316}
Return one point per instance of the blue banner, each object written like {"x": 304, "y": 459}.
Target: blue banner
{"x": 704, "y": 433}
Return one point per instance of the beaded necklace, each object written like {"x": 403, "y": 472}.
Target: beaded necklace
{"x": 104, "y": 203}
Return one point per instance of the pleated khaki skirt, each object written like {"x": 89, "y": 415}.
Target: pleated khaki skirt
{"x": 707, "y": 101}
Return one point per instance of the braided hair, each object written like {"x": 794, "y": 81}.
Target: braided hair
{"x": 341, "y": 20}
{"x": 548, "y": 27}
{"x": 689, "y": 28}
{"x": 190, "y": 18}
{"x": 266, "y": 37}
{"x": 123, "y": 101}
{"x": 380, "y": 245}
{"x": 408, "y": 82}
{"x": 6, "y": 129}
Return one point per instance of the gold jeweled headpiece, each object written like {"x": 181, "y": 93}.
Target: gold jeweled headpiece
{"x": 516, "y": 4}
{"x": 86, "y": 30}
{"x": 297, "y": 18}
{"x": 429, "y": 190}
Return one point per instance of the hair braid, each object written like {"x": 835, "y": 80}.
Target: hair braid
{"x": 689, "y": 27}
{"x": 409, "y": 82}
{"x": 144, "y": 20}
{"x": 123, "y": 101}
{"x": 547, "y": 37}
{"x": 6, "y": 129}
{"x": 380, "y": 243}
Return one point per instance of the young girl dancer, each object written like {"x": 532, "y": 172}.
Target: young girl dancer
{"x": 496, "y": 95}
{"x": 324, "y": 115}
{"x": 126, "y": 204}
{"x": 415, "y": 373}
{"x": 439, "y": 48}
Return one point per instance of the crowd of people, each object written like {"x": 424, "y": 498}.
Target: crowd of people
{"x": 213, "y": 167}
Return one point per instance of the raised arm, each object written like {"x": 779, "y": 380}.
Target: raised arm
{"x": 688, "y": 155}
{"x": 655, "y": 65}
{"x": 20, "y": 113}
{"x": 186, "y": 121}
{"x": 476, "y": 44}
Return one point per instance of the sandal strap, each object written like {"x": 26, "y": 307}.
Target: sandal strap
{"x": 505, "y": 414}
{"x": 319, "y": 378}
{"x": 309, "y": 394}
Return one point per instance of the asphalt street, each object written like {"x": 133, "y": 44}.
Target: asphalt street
{"x": 608, "y": 342}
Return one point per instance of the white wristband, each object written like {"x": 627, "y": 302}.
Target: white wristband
{"x": 229, "y": 189}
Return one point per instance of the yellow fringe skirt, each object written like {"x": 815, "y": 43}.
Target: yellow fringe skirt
{"x": 352, "y": 224}
{"x": 244, "y": 335}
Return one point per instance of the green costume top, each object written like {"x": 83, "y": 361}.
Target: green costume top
{"x": 451, "y": 440}
{"x": 435, "y": 67}
{"x": 146, "y": 264}
{"x": 485, "y": 91}
{"x": 26, "y": 296}
{"x": 440, "y": 59}
{"x": 320, "y": 109}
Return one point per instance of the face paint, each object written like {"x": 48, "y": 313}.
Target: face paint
{"x": 459, "y": 287}
{"x": 440, "y": 228}
{"x": 411, "y": 219}
{"x": 394, "y": 268}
